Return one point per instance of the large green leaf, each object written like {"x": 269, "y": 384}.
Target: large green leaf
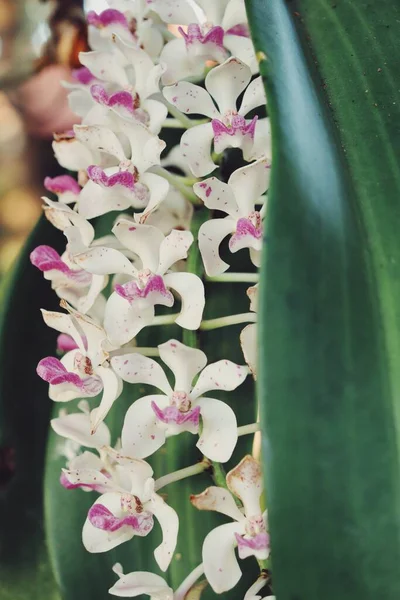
{"x": 24, "y": 417}
{"x": 329, "y": 323}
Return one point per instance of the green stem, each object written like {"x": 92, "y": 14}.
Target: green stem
{"x": 249, "y": 317}
{"x": 247, "y": 429}
{"x": 182, "y": 474}
{"x": 235, "y": 278}
{"x": 173, "y": 123}
{"x": 179, "y": 183}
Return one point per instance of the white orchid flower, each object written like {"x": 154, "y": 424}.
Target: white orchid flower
{"x": 214, "y": 30}
{"x": 131, "y": 306}
{"x": 252, "y": 592}
{"x": 248, "y": 335}
{"x": 119, "y": 88}
{"x": 102, "y": 27}
{"x": 151, "y": 419}
{"x": 127, "y": 509}
{"x": 238, "y": 199}
{"x": 127, "y": 183}
{"x": 138, "y": 583}
{"x": 248, "y": 532}
{"x": 228, "y": 127}
{"x": 83, "y": 372}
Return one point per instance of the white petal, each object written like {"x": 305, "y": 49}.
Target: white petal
{"x": 176, "y": 59}
{"x": 101, "y": 260}
{"x": 226, "y": 82}
{"x": 255, "y": 588}
{"x": 220, "y": 564}
{"x": 63, "y": 216}
{"x": 174, "y": 158}
{"x": 196, "y": 149}
{"x": 219, "y": 434}
{"x": 157, "y": 112}
{"x": 211, "y": 234}
{"x": 255, "y": 257}
{"x": 141, "y": 582}
{"x": 243, "y": 49}
{"x": 254, "y": 96}
{"x": 159, "y": 188}
{"x": 245, "y": 481}
{"x": 143, "y": 240}
{"x": 262, "y": 141}
{"x": 99, "y": 540}
{"x": 145, "y": 146}
{"x": 190, "y": 98}
{"x": 174, "y": 213}
{"x": 93, "y": 332}
{"x": 98, "y": 284}
{"x": 95, "y": 200}
{"x": 221, "y": 375}
{"x": 98, "y": 138}
{"x": 173, "y": 248}
{"x": 104, "y": 66}
{"x": 249, "y": 183}
{"x": 174, "y": 11}
{"x": 248, "y": 342}
{"x": 191, "y": 290}
{"x": 73, "y": 155}
{"x": 86, "y": 460}
{"x": 112, "y": 389}
{"x": 89, "y": 476}
{"x": 122, "y": 321}
{"x": 76, "y": 427}
{"x": 214, "y": 11}
{"x": 136, "y": 368}
{"x": 141, "y": 435}
{"x": 218, "y": 499}
{"x": 169, "y": 523}
{"x": 217, "y": 195}
{"x": 184, "y": 362}
{"x": 235, "y": 14}
{"x": 64, "y": 324}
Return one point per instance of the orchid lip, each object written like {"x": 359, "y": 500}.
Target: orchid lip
{"x": 83, "y": 75}
{"x": 248, "y": 546}
{"x": 155, "y": 286}
{"x": 238, "y": 124}
{"x": 126, "y": 179}
{"x": 110, "y": 16}
{"x": 194, "y": 34}
{"x": 172, "y": 415}
{"x": 121, "y": 99}
{"x": 102, "y": 518}
{"x": 45, "y": 258}
{"x": 62, "y": 184}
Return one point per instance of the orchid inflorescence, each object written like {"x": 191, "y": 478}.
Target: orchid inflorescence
{"x": 138, "y": 79}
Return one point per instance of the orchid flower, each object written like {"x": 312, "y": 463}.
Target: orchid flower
{"x": 138, "y": 583}
{"x": 238, "y": 199}
{"x": 121, "y": 89}
{"x": 127, "y": 183}
{"x": 248, "y": 335}
{"x": 228, "y": 127}
{"x": 131, "y": 306}
{"x": 213, "y": 31}
{"x": 71, "y": 283}
{"x": 248, "y": 532}
{"x": 127, "y": 509}
{"x": 85, "y": 371}
{"x": 252, "y": 592}
{"x": 151, "y": 419}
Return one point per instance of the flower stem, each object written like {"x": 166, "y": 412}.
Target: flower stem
{"x": 209, "y": 324}
{"x": 146, "y": 351}
{"x": 246, "y": 429}
{"x": 188, "y": 583}
{"x": 165, "y": 319}
{"x": 235, "y": 278}
{"x": 179, "y": 183}
{"x": 184, "y": 120}
{"x": 182, "y": 474}
{"x": 173, "y": 123}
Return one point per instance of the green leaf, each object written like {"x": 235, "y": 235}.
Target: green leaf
{"x": 24, "y": 417}
{"x": 329, "y": 322}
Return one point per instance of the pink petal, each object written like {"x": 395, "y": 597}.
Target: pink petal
{"x": 120, "y": 99}
{"x": 46, "y": 259}
{"x": 65, "y": 343}
{"x": 241, "y": 29}
{"x": 62, "y": 184}
{"x": 154, "y": 290}
{"x": 102, "y": 518}
{"x": 247, "y": 235}
{"x": 110, "y": 16}
{"x": 83, "y": 75}
{"x": 172, "y": 415}
{"x": 53, "y": 371}
{"x": 251, "y": 546}
{"x": 125, "y": 179}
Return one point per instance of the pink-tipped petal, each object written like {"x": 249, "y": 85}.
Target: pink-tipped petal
{"x": 248, "y": 234}
{"x": 102, "y": 518}
{"x": 107, "y": 17}
{"x": 62, "y": 184}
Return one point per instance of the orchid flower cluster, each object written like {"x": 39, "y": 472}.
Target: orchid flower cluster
{"x": 138, "y": 79}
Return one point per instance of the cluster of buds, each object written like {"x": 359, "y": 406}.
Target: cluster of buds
{"x": 138, "y": 79}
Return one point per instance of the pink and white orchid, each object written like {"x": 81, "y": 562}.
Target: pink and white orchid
{"x": 83, "y": 372}
{"x": 248, "y": 532}
{"x": 151, "y": 419}
{"x": 228, "y": 127}
{"x": 214, "y": 30}
{"x": 238, "y": 199}
{"x": 127, "y": 509}
{"x": 131, "y": 306}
